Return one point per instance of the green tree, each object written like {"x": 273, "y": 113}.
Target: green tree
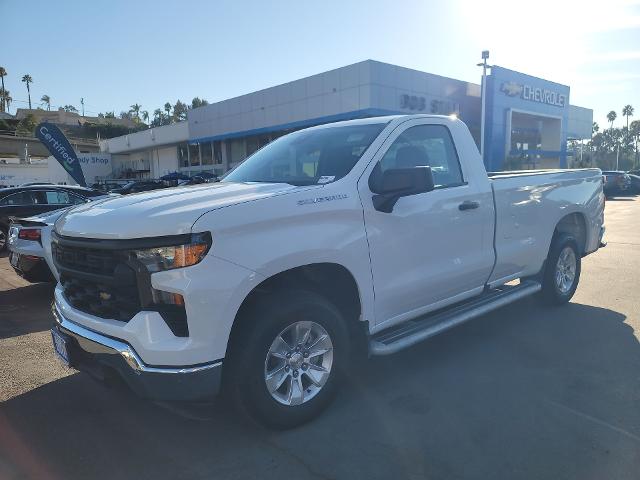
{"x": 611, "y": 117}
{"x": 111, "y": 114}
{"x": 135, "y": 109}
{"x": 70, "y": 108}
{"x": 28, "y": 80}
{"x": 6, "y": 99}
{"x": 595, "y": 128}
{"x": 3, "y": 73}
{"x": 45, "y": 99}
{"x": 167, "y": 108}
{"x": 627, "y": 111}
{"x": 145, "y": 116}
{"x": 180, "y": 111}
{"x": 634, "y": 132}
{"x": 198, "y": 102}
{"x": 27, "y": 125}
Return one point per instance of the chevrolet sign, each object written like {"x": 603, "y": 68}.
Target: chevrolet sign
{"x": 534, "y": 94}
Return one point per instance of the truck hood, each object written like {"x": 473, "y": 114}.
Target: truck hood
{"x": 169, "y": 211}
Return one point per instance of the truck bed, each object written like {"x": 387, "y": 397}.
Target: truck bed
{"x": 529, "y": 204}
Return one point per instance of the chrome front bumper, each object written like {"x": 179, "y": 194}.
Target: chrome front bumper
{"x": 101, "y": 356}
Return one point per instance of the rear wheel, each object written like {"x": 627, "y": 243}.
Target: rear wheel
{"x": 562, "y": 272}
{"x": 286, "y": 363}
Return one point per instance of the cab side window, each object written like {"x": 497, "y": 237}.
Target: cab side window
{"x": 426, "y": 145}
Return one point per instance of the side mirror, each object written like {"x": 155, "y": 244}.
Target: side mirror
{"x": 395, "y": 183}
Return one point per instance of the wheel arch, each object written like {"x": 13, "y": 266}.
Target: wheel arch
{"x": 575, "y": 224}
{"x": 331, "y": 280}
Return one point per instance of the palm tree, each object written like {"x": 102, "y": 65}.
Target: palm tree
{"x": 135, "y": 109}
{"x": 145, "y": 116}
{"x": 627, "y": 111}
{"x": 6, "y": 99}
{"x": 611, "y": 116}
{"x": 167, "y": 108}
{"x": 46, "y": 100}
{"x": 635, "y": 134}
{"x": 3, "y": 72}
{"x": 27, "y": 79}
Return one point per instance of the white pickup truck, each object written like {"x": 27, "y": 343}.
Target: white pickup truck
{"x": 375, "y": 233}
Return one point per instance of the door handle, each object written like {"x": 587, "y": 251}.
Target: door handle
{"x": 468, "y": 205}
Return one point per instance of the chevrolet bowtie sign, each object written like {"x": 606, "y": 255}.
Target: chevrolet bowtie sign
{"x": 534, "y": 94}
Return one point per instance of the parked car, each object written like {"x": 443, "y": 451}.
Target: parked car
{"x": 31, "y": 200}
{"x": 139, "y": 186}
{"x": 615, "y": 183}
{"x": 375, "y": 233}
{"x": 634, "y": 181}
{"x": 30, "y": 247}
{"x": 30, "y": 244}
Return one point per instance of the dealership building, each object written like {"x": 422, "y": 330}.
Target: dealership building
{"x": 528, "y": 120}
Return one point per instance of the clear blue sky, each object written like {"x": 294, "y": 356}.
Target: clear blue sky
{"x": 117, "y": 53}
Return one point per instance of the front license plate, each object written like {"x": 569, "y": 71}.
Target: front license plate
{"x": 13, "y": 259}
{"x": 60, "y": 346}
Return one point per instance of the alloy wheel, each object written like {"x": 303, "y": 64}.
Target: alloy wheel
{"x": 298, "y": 363}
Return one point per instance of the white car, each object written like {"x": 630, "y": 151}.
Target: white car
{"x": 29, "y": 244}
{"x": 379, "y": 232}
{"x": 30, "y": 247}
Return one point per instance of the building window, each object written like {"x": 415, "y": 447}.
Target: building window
{"x": 183, "y": 155}
{"x": 206, "y": 153}
{"x": 237, "y": 151}
{"x": 194, "y": 155}
{"x": 217, "y": 152}
{"x": 252, "y": 145}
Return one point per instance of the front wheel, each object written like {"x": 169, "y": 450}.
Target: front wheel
{"x": 286, "y": 363}
{"x": 562, "y": 272}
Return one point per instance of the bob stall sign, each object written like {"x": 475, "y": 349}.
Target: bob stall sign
{"x": 534, "y": 94}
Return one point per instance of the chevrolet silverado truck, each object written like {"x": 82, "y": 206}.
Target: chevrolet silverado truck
{"x": 370, "y": 234}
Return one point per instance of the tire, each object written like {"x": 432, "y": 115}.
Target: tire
{"x": 562, "y": 270}
{"x": 257, "y": 354}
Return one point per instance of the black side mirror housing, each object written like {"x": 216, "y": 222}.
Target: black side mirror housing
{"x": 395, "y": 183}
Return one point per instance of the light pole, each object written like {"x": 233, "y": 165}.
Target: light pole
{"x": 82, "y": 103}
{"x": 483, "y": 97}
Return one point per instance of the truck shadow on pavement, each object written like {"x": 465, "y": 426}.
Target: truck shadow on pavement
{"x": 527, "y": 392}
{"x": 25, "y": 309}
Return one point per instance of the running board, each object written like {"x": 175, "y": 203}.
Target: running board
{"x": 413, "y": 331}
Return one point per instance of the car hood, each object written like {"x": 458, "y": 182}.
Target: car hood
{"x": 168, "y": 211}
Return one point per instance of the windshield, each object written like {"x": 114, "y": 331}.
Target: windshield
{"x": 308, "y": 157}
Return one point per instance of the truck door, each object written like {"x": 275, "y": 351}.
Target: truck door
{"x": 434, "y": 248}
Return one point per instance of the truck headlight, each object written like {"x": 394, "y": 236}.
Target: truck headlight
{"x": 175, "y": 256}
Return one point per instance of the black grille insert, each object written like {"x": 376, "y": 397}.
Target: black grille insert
{"x": 104, "y": 279}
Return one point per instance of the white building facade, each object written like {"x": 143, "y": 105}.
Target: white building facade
{"x": 217, "y": 137}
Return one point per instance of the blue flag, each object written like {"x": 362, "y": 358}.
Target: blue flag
{"x": 61, "y": 149}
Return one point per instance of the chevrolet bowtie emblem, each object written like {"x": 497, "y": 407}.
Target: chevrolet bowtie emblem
{"x": 512, "y": 89}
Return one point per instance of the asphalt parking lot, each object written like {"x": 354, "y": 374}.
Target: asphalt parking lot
{"x": 526, "y": 392}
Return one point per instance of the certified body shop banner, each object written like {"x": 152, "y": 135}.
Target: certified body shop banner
{"x": 55, "y": 141}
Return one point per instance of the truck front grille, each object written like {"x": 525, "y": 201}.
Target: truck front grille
{"x": 99, "y": 299}
{"x": 97, "y": 281}
{"x": 103, "y": 278}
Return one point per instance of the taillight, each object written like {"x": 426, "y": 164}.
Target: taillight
{"x": 29, "y": 234}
